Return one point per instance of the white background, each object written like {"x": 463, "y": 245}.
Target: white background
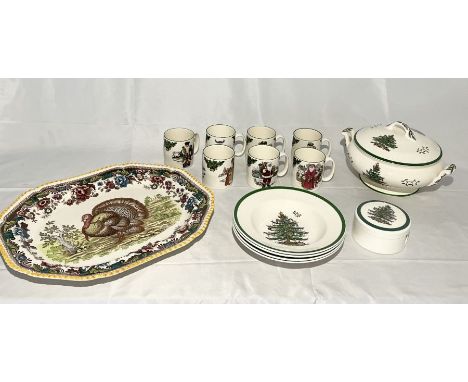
{"x": 53, "y": 129}
{"x": 246, "y": 38}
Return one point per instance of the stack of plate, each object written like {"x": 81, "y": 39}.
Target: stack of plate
{"x": 288, "y": 225}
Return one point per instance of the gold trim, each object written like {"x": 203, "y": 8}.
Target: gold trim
{"x": 204, "y": 224}
{"x": 217, "y": 136}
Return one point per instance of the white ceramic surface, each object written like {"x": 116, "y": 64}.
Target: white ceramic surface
{"x": 220, "y": 134}
{"x": 395, "y": 159}
{"x": 263, "y": 164}
{"x": 306, "y": 137}
{"x": 180, "y": 145}
{"x": 381, "y": 227}
{"x": 218, "y": 166}
{"x": 289, "y": 219}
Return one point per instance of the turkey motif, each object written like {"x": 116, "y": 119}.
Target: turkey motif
{"x": 119, "y": 217}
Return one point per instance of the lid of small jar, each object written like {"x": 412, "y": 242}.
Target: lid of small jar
{"x": 384, "y": 217}
{"x": 398, "y": 143}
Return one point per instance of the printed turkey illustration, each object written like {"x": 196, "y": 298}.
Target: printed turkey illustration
{"x": 119, "y": 217}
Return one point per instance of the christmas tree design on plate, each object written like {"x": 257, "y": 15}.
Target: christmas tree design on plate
{"x": 287, "y": 231}
{"x": 382, "y": 214}
{"x": 385, "y": 142}
{"x": 374, "y": 174}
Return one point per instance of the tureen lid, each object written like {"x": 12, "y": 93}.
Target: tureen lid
{"x": 398, "y": 143}
{"x": 383, "y": 216}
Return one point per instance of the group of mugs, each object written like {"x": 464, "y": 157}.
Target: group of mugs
{"x": 310, "y": 153}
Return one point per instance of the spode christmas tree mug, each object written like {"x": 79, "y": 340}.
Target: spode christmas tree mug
{"x": 309, "y": 138}
{"x": 308, "y": 167}
{"x": 220, "y": 134}
{"x": 263, "y": 135}
{"x": 218, "y": 166}
{"x": 180, "y": 145}
{"x": 263, "y": 166}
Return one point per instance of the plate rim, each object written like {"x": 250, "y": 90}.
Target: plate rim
{"x": 239, "y": 202}
{"x": 287, "y": 259}
{"x": 265, "y": 255}
{"x": 277, "y": 251}
{"x": 38, "y": 275}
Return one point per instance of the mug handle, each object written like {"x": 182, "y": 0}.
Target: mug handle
{"x": 196, "y": 143}
{"x": 244, "y": 143}
{"x": 332, "y": 171}
{"x": 283, "y": 141}
{"x": 286, "y": 163}
{"x": 328, "y": 146}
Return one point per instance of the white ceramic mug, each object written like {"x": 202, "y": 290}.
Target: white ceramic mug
{"x": 180, "y": 145}
{"x": 218, "y": 166}
{"x": 263, "y": 135}
{"x": 224, "y": 135}
{"x": 263, "y": 166}
{"x": 308, "y": 167}
{"x": 309, "y": 138}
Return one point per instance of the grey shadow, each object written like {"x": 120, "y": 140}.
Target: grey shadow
{"x": 445, "y": 181}
{"x": 285, "y": 265}
{"x": 87, "y": 283}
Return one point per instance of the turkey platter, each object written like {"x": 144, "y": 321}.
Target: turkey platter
{"x": 103, "y": 223}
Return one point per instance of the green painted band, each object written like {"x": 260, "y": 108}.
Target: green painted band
{"x": 285, "y": 256}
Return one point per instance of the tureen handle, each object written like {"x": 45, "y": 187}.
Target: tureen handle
{"x": 348, "y": 134}
{"x": 403, "y": 126}
{"x": 446, "y": 171}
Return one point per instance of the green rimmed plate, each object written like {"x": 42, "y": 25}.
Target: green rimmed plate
{"x": 289, "y": 220}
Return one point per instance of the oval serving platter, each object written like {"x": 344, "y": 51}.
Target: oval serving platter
{"x": 103, "y": 223}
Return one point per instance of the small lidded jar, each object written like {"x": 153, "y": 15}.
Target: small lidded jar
{"x": 381, "y": 227}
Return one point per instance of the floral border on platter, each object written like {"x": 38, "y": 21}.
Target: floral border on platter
{"x": 79, "y": 194}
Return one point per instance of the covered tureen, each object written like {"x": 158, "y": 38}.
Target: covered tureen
{"x": 395, "y": 159}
